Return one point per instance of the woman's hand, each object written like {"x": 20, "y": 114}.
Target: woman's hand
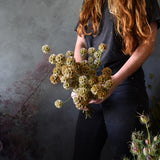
{"x": 115, "y": 84}
{"x": 73, "y": 95}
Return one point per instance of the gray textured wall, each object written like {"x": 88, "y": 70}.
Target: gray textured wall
{"x": 25, "y": 25}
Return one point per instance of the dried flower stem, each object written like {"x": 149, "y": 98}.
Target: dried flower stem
{"x": 149, "y": 137}
{"x": 67, "y": 100}
{"x": 36, "y": 88}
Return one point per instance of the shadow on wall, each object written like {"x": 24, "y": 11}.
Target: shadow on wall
{"x": 29, "y": 123}
{"x": 18, "y": 116}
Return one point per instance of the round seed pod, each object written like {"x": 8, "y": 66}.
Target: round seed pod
{"x": 102, "y": 94}
{"x": 91, "y": 60}
{"x": 78, "y": 100}
{"x": 108, "y": 84}
{"x": 144, "y": 119}
{"x": 107, "y": 71}
{"x": 77, "y": 67}
{"x": 95, "y": 89}
{"x": 58, "y": 103}
{"x": 93, "y": 80}
{"x": 52, "y": 59}
{"x": 86, "y": 98}
{"x": 83, "y": 91}
{"x": 69, "y": 72}
{"x": 83, "y": 80}
{"x": 57, "y": 71}
{"x": 98, "y": 54}
{"x": 92, "y": 72}
{"x": 70, "y": 61}
{"x": 59, "y": 64}
{"x": 103, "y": 78}
{"x": 54, "y": 79}
{"x": 45, "y": 49}
{"x": 102, "y": 47}
{"x": 66, "y": 85}
{"x": 74, "y": 84}
{"x": 84, "y": 63}
{"x": 85, "y": 70}
{"x": 93, "y": 66}
{"x": 69, "y": 53}
{"x": 91, "y": 51}
{"x": 97, "y": 63}
{"x": 145, "y": 151}
{"x": 63, "y": 68}
{"x": 63, "y": 79}
{"x": 60, "y": 58}
{"x": 79, "y": 106}
{"x": 155, "y": 138}
{"x": 83, "y": 53}
{"x": 135, "y": 148}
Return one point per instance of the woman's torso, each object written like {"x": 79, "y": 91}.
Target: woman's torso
{"x": 113, "y": 57}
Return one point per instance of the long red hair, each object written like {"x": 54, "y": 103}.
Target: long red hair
{"x": 131, "y": 20}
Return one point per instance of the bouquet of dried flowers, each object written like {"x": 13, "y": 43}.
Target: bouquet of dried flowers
{"x": 80, "y": 77}
{"x": 144, "y": 148}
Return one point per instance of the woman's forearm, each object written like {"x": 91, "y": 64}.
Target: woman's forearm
{"x": 80, "y": 43}
{"x": 139, "y": 56}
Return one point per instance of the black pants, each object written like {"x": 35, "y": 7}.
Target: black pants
{"x": 114, "y": 120}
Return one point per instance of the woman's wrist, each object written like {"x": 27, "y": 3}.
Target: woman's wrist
{"x": 115, "y": 80}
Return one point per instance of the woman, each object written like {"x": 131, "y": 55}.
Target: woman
{"x": 129, "y": 29}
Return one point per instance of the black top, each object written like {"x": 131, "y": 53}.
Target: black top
{"x": 113, "y": 57}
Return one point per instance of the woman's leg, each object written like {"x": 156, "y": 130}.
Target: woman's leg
{"x": 121, "y": 118}
{"x": 90, "y": 136}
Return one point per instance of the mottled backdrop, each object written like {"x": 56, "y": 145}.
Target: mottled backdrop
{"x": 25, "y": 25}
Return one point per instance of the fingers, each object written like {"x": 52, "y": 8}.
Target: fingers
{"x": 73, "y": 94}
{"x": 97, "y": 101}
{"x": 85, "y": 109}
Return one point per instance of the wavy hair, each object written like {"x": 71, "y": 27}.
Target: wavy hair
{"x": 130, "y": 21}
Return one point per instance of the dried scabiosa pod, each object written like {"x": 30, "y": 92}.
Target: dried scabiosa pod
{"x": 81, "y": 77}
